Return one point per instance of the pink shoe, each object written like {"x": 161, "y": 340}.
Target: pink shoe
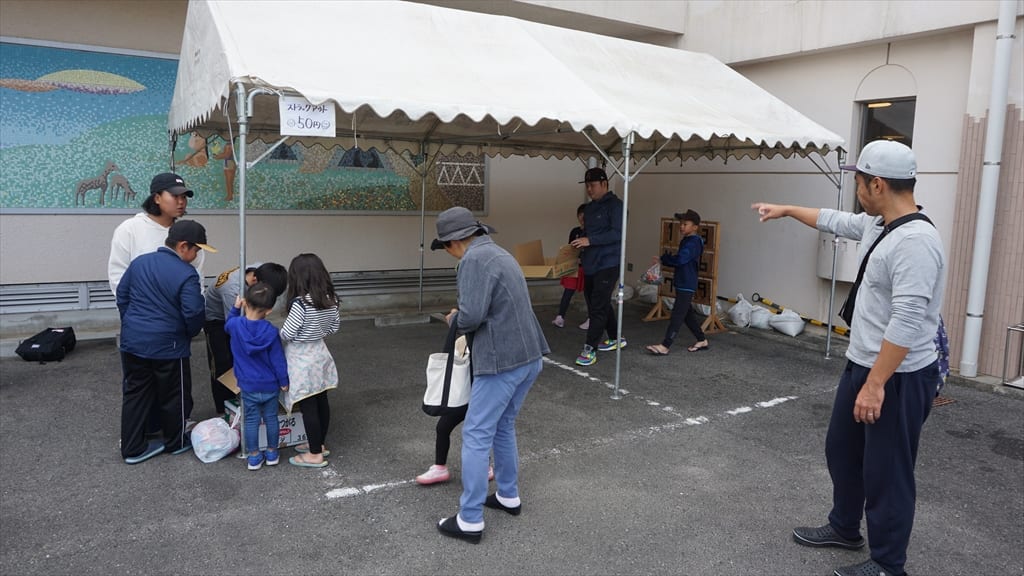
{"x": 434, "y": 475}
{"x": 585, "y": 325}
{"x": 558, "y": 321}
{"x": 490, "y": 473}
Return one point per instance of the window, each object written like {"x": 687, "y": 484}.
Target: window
{"x": 886, "y": 120}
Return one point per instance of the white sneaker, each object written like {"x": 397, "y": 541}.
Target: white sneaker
{"x": 559, "y": 321}
{"x": 433, "y": 475}
{"x": 585, "y": 325}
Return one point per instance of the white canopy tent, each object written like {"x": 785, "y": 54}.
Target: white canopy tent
{"x": 430, "y": 80}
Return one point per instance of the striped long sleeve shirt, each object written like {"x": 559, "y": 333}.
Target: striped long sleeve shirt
{"x": 308, "y": 324}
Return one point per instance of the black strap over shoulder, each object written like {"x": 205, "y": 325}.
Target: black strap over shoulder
{"x": 846, "y": 312}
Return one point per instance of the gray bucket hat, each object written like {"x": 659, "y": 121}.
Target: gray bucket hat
{"x": 455, "y": 224}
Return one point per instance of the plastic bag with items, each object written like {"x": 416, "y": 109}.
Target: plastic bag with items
{"x": 652, "y": 275}
{"x": 214, "y": 439}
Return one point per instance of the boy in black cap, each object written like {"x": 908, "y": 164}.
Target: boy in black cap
{"x": 161, "y": 306}
{"x": 686, "y": 262}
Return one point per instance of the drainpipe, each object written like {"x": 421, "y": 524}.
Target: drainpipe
{"x": 989, "y": 188}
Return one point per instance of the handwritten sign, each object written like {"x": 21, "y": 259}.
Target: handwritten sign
{"x": 300, "y": 118}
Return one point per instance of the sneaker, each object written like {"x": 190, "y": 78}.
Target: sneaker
{"x": 190, "y": 424}
{"x": 824, "y": 536}
{"x": 559, "y": 321}
{"x": 434, "y": 475}
{"x": 585, "y": 325}
{"x": 866, "y": 568}
{"x": 587, "y": 357}
{"x": 255, "y": 461}
{"x": 152, "y": 449}
{"x": 272, "y": 457}
{"x": 609, "y": 345}
{"x": 185, "y": 448}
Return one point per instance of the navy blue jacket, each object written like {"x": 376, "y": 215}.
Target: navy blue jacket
{"x": 161, "y": 306}
{"x": 602, "y": 223}
{"x": 686, "y": 262}
{"x": 259, "y": 357}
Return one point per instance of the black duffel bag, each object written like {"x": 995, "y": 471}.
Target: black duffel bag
{"x": 49, "y": 345}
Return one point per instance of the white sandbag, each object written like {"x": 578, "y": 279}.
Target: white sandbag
{"x": 739, "y": 314}
{"x": 702, "y": 309}
{"x": 627, "y": 293}
{"x": 789, "y": 323}
{"x": 760, "y": 317}
{"x": 647, "y": 293}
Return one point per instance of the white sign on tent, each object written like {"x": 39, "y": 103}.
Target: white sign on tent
{"x": 301, "y": 118}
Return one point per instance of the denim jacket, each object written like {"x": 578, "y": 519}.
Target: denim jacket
{"x": 494, "y": 303}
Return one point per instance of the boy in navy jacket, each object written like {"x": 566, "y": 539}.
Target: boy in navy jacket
{"x": 686, "y": 262}
{"x": 161, "y": 305}
{"x": 260, "y": 369}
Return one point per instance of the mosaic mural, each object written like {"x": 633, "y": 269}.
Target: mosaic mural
{"x": 87, "y": 130}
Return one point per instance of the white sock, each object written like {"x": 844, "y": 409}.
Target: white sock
{"x": 508, "y": 502}
{"x": 469, "y": 526}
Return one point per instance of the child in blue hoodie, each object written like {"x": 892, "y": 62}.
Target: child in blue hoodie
{"x": 260, "y": 369}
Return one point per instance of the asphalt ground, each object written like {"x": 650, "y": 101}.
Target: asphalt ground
{"x": 704, "y": 466}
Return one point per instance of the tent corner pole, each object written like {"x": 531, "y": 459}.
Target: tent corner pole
{"x": 835, "y": 256}
{"x": 627, "y": 149}
{"x": 243, "y": 131}
{"x": 423, "y": 214}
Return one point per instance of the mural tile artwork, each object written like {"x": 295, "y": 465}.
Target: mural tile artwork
{"x": 88, "y": 130}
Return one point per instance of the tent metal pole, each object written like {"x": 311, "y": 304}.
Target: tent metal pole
{"x": 423, "y": 214}
{"x": 627, "y": 146}
{"x": 835, "y": 255}
{"x": 243, "y": 131}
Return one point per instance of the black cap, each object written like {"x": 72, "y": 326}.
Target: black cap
{"x": 170, "y": 182}
{"x": 594, "y": 175}
{"x": 688, "y": 215}
{"x": 189, "y": 231}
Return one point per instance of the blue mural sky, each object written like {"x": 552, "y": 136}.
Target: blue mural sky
{"x": 32, "y": 116}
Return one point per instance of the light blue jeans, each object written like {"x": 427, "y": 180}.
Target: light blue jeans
{"x": 494, "y": 403}
{"x": 257, "y": 406}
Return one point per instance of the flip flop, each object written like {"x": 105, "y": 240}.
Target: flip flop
{"x": 294, "y": 460}
{"x": 696, "y": 348}
{"x": 653, "y": 350}
{"x": 305, "y": 449}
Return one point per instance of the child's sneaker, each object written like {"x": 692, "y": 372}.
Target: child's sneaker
{"x": 559, "y": 321}
{"x": 609, "y": 345}
{"x": 433, "y": 475}
{"x": 587, "y": 357}
{"x": 273, "y": 457}
{"x": 255, "y": 461}
{"x": 585, "y": 325}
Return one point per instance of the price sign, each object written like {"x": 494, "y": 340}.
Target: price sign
{"x": 300, "y": 118}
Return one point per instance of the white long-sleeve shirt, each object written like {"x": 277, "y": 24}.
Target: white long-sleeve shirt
{"x": 134, "y": 237}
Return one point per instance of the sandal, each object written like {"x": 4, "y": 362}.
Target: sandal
{"x": 657, "y": 350}
{"x": 304, "y": 449}
{"x": 297, "y": 461}
{"x": 698, "y": 348}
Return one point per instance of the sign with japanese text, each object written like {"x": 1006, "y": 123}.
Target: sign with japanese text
{"x": 300, "y": 118}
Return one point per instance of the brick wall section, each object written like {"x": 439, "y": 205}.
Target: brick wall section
{"x": 1004, "y": 297}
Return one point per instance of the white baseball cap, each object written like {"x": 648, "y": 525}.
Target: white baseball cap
{"x": 886, "y": 159}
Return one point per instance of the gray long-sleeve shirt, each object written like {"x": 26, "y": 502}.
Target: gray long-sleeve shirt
{"x": 494, "y": 302}
{"x": 900, "y": 296}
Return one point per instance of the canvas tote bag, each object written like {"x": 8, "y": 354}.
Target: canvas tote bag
{"x": 449, "y": 377}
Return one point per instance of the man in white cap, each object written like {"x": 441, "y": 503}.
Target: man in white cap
{"x": 890, "y": 381}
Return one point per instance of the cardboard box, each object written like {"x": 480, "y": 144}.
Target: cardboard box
{"x": 291, "y": 430}
{"x": 229, "y": 381}
{"x": 530, "y": 256}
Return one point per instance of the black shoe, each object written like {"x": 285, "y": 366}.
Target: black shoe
{"x": 492, "y": 502}
{"x": 825, "y": 536}
{"x": 450, "y": 527}
{"x": 868, "y": 568}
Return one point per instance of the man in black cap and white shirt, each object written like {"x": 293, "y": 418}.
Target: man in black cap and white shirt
{"x": 147, "y": 230}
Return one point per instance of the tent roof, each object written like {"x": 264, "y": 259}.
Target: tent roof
{"x": 402, "y": 73}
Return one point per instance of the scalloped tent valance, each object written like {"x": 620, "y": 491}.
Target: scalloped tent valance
{"x": 401, "y": 74}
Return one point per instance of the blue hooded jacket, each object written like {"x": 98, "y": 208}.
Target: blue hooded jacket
{"x": 686, "y": 262}
{"x": 161, "y": 306}
{"x": 260, "y": 365}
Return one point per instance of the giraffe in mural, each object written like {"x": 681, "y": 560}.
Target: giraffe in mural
{"x": 119, "y": 182}
{"x": 97, "y": 182}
